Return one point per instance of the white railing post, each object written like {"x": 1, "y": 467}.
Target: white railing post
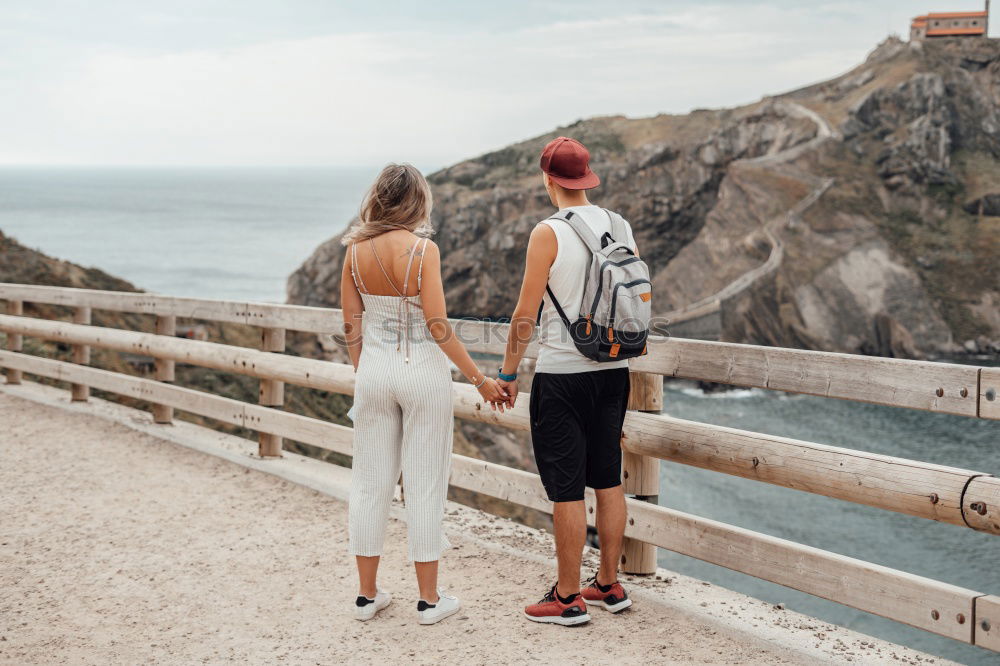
{"x": 165, "y": 325}
{"x": 81, "y": 355}
{"x": 272, "y": 392}
{"x": 641, "y": 474}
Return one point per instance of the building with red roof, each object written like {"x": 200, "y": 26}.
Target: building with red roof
{"x": 951, "y": 24}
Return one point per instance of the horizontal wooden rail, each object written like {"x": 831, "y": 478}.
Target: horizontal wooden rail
{"x": 253, "y": 417}
{"x": 263, "y": 365}
{"x": 926, "y": 490}
{"x": 921, "y": 602}
{"x": 937, "y": 387}
{"x": 293, "y": 317}
{"x": 905, "y": 486}
{"x": 479, "y": 336}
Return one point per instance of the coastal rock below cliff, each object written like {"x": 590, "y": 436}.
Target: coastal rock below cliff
{"x": 849, "y": 300}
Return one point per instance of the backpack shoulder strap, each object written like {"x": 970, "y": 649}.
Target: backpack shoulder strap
{"x": 584, "y": 232}
{"x": 619, "y": 228}
{"x": 589, "y": 239}
{"x": 555, "y": 302}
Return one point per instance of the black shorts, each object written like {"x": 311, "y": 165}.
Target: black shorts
{"x": 576, "y": 428}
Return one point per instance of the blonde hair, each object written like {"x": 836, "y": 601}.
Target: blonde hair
{"x": 400, "y": 198}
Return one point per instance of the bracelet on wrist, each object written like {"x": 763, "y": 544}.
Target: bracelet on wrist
{"x": 481, "y": 382}
{"x": 507, "y": 378}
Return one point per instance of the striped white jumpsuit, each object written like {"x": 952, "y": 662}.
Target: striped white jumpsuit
{"x": 403, "y": 418}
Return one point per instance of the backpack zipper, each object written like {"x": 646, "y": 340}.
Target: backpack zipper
{"x": 600, "y": 278}
{"x": 614, "y": 296}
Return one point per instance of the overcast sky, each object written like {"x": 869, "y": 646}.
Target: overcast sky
{"x": 325, "y": 82}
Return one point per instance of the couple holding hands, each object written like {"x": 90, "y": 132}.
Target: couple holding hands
{"x": 582, "y": 260}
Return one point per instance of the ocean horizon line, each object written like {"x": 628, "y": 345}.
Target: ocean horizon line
{"x": 357, "y": 167}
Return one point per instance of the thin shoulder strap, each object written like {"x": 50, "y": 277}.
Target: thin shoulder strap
{"x": 388, "y": 278}
{"x": 355, "y": 272}
{"x": 409, "y": 265}
{"x": 577, "y": 224}
{"x": 420, "y": 267}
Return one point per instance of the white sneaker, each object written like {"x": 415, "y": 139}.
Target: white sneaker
{"x": 365, "y": 608}
{"x": 430, "y": 613}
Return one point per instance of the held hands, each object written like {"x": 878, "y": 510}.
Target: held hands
{"x": 494, "y": 394}
{"x": 511, "y": 389}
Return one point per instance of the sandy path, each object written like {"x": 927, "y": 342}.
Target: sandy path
{"x": 120, "y": 547}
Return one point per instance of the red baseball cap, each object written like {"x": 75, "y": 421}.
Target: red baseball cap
{"x": 567, "y": 162}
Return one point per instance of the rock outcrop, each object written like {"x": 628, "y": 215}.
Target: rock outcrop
{"x": 860, "y": 215}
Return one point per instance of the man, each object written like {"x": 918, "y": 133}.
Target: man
{"x": 577, "y": 404}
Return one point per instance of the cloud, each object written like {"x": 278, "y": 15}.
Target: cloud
{"x": 424, "y": 96}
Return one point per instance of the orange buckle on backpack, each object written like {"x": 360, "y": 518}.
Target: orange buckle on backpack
{"x": 643, "y": 351}
{"x": 614, "y": 350}
{"x": 645, "y": 297}
{"x": 588, "y": 325}
{"x": 611, "y": 334}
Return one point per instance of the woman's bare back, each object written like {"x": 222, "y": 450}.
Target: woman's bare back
{"x": 393, "y": 249}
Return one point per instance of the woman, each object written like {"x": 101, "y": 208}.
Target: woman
{"x": 403, "y": 397}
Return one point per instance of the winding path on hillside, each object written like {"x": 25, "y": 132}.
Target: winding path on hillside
{"x": 712, "y": 304}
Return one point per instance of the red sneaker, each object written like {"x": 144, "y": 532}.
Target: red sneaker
{"x": 551, "y": 610}
{"x": 612, "y": 598}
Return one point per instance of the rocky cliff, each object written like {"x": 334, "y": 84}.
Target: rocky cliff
{"x": 861, "y": 214}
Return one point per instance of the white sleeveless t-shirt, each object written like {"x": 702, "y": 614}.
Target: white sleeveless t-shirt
{"x": 567, "y": 277}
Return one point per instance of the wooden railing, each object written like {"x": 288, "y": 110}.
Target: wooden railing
{"x": 958, "y": 496}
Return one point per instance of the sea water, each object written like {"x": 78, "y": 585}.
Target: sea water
{"x": 209, "y": 232}
{"x": 939, "y": 551}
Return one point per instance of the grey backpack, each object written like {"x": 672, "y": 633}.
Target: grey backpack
{"x": 613, "y": 322}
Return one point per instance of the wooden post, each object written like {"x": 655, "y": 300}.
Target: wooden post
{"x": 14, "y": 340}
{"x": 81, "y": 355}
{"x": 641, "y": 474}
{"x": 272, "y": 392}
{"x": 165, "y": 325}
